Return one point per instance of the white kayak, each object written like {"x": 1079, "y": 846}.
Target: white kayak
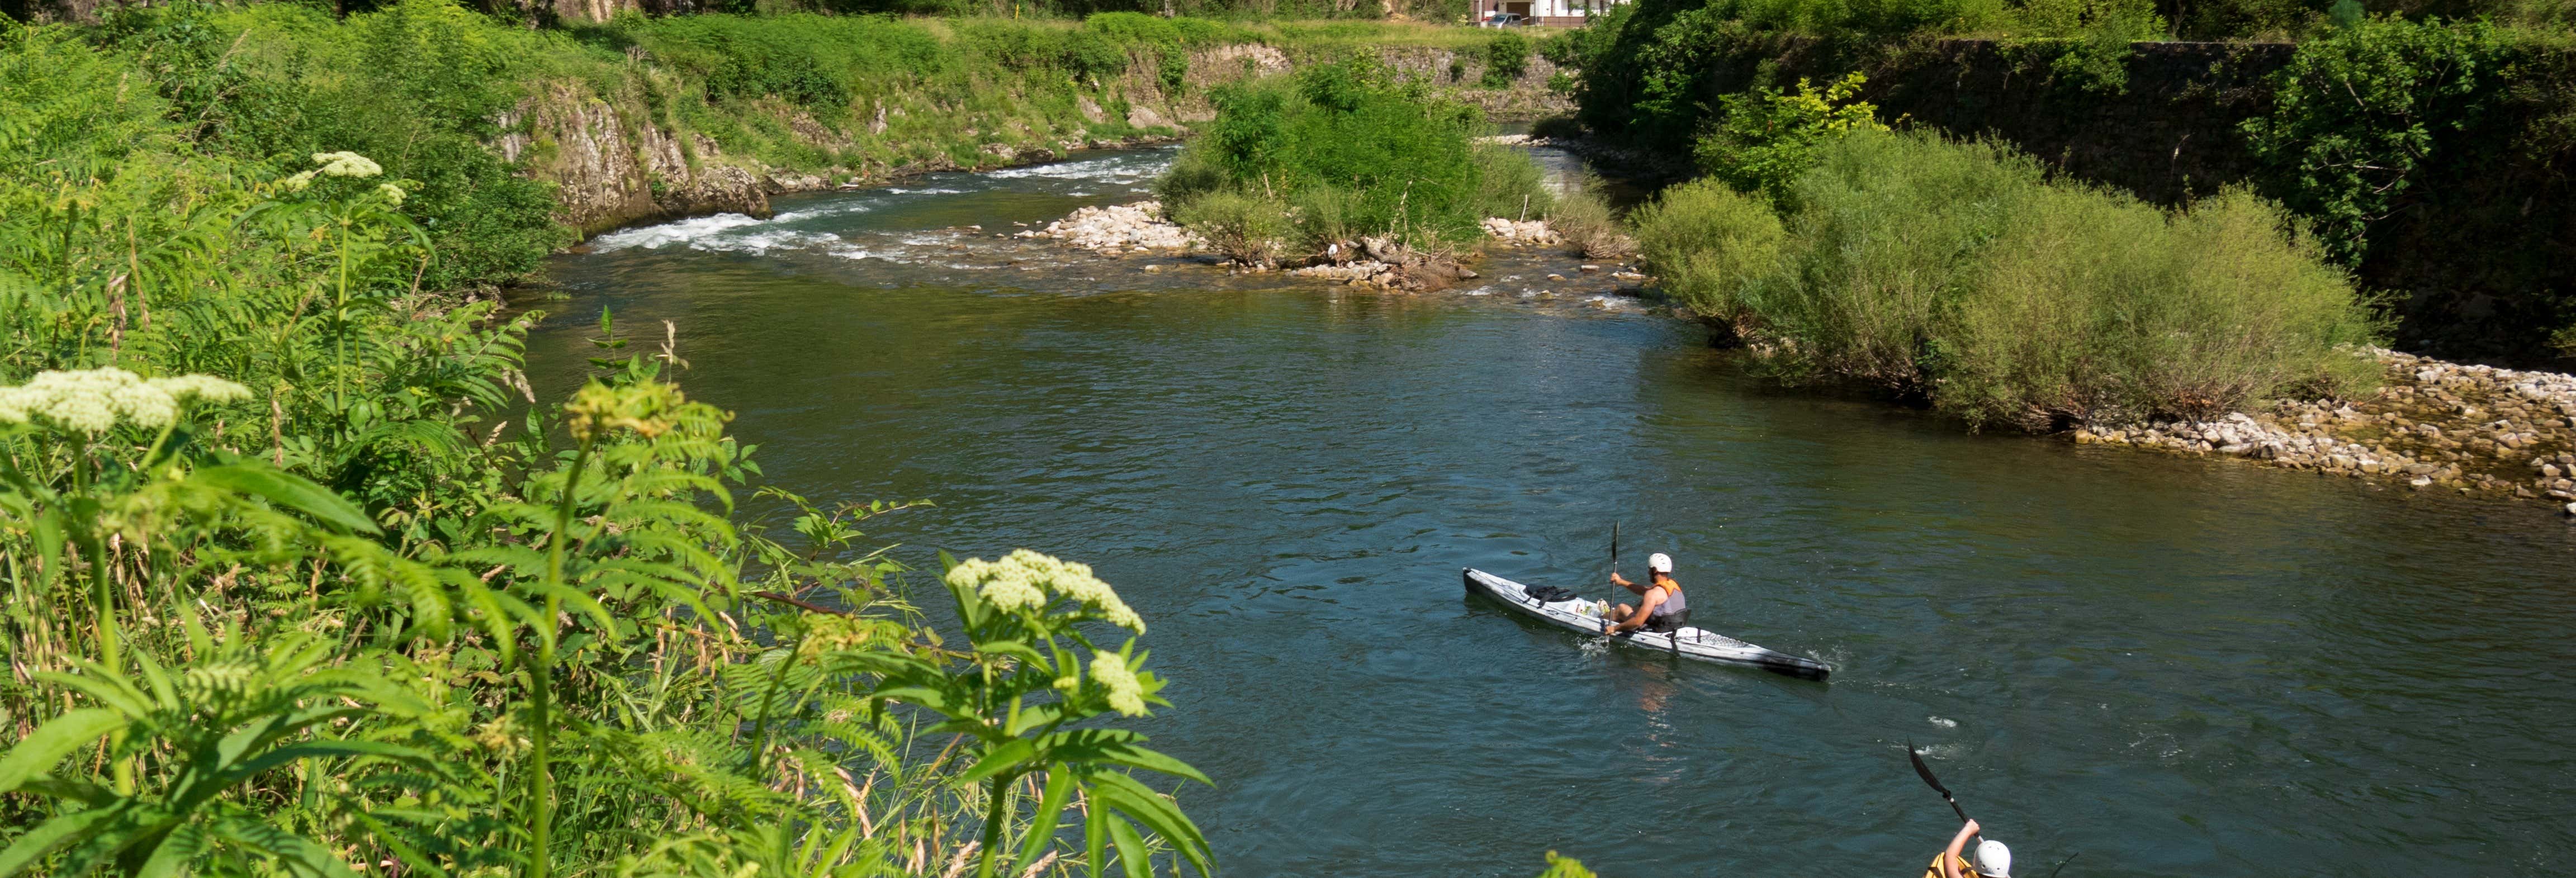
{"x": 1693, "y": 643}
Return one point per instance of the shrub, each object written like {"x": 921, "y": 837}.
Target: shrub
{"x": 1959, "y": 272}
{"x": 2357, "y": 111}
{"x": 1705, "y": 242}
{"x": 1581, "y": 215}
{"x": 1767, "y": 139}
{"x": 1243, "y": 227}
{"x": 1397, "y": 161}
{"x": 1506, "y": 58}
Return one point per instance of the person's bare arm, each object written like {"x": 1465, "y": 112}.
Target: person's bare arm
{"x": 1645, "y": 608}
{"x": 1950, "y": 856}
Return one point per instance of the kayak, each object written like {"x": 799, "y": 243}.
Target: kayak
{"x": 1691, "y": 643}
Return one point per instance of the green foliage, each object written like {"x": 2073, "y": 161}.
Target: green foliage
{"x": 1707, "y": 242}
{"x": 1582, "y": 217}
{"x": 1961, "y": 273}
{"x": 1506, "y": 58}
{"x": 1249, "y": 228}
{"x": 1766, "y": 139}
{"x": 1019, "y": 695}
{"x": 1347, "y": 139}
{"x": 361, "y": 597}
{"x": 2092, "y": 39}
{"x": 416, "y": 84}
{"x": 2358, "y": 112}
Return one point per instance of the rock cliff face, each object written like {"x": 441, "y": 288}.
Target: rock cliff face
{"x": 612, "y": 168}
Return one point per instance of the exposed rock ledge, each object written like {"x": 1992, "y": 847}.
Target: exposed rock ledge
{"x": 2434, "y": 424}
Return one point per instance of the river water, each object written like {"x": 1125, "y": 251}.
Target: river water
{"x": 2164, "y": 665}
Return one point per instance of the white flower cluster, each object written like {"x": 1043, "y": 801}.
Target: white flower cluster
{"x": 393, "y": 194}
{"x": 93, "y": 400}
{"x": 1110, "y": 670}
{"x": 1022, "y": 580}
{"x": 342, "y": 164}
{"x": 347, "y": 164}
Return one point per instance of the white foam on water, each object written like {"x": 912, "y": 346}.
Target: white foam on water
{"x": 761, "y": 243}
{"x": 829, "y": 210}
{"x": 680, "y": 232}
{"x": 1944, "y": 723}
{"x": 1115, "y": 169}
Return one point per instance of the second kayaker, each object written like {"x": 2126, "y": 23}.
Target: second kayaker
{"x": 1993, "y": 859}
{"x": 1663, "y": 608}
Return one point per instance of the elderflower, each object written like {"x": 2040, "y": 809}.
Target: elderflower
{"x": 1023, "y": 579}
{"x": 94, "y": 400}
{"x": 346, "y": 164}
{"x": 1110, "y": 670}
{"x": 650, "y": 409}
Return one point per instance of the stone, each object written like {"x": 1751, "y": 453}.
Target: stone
{"x": 1141, "y": 116}
{"x": 2571, "y": 508}
{"x": 1588, "y": 268}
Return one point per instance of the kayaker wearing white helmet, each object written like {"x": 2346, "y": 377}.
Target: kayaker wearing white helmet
{"x": 1993, "y": 859}
{"x": 1663, "y": 608}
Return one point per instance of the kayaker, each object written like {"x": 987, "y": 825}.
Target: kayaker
{"x": 1663, "y": 609}
{"x": 1993, "y": 859}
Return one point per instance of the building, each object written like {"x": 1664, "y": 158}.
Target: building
{"x": 1551, "y": 13}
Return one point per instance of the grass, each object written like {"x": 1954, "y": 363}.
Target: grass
{"x": 1960, "y": 273}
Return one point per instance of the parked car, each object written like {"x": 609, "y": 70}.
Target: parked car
{"x": 1505, "y": 19}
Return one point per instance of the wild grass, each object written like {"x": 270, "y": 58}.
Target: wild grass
{"x": 1959, "y": 272}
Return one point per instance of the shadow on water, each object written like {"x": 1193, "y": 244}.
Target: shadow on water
{"x": 2170, "y": 665}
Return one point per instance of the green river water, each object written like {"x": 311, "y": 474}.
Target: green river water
{"x": 2167, "y": 666}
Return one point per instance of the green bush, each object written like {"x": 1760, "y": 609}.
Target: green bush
{"x": 1706, "y": 242}
{"x": 1961, "y": 273}
{"x": 2357, "y": 112}
{"x": 1388, "y": 158}
{"x": 1506, "y": 58}
{"x": 1766, "y": 140}
{"x": 1247, "y": 228}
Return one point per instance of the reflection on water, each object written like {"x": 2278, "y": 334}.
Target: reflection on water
{"x": 2168, "y": 665}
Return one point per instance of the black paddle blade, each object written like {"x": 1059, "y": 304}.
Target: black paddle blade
{"x": 1924, "y": 770}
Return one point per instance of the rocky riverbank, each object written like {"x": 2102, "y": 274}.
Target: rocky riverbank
{"x": 2432, "y": 425}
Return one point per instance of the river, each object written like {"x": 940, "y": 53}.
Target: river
{"x": 2166, "y": 665}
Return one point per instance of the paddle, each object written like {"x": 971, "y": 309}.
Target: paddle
{"x": 1614, "y": 569}
{"x": 1926, "y": 772}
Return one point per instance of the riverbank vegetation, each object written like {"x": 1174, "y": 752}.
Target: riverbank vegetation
{"x": 1961, "y": 274}
{"x": 518, "y": 140}
{"x": 2426, "y": 147}
{"x": 1341, "y": 151}
{"x": 304, "y": 578}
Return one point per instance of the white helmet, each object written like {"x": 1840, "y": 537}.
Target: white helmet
{"x": 1993, "y": 859}
{"x": 1659, "y": 563}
